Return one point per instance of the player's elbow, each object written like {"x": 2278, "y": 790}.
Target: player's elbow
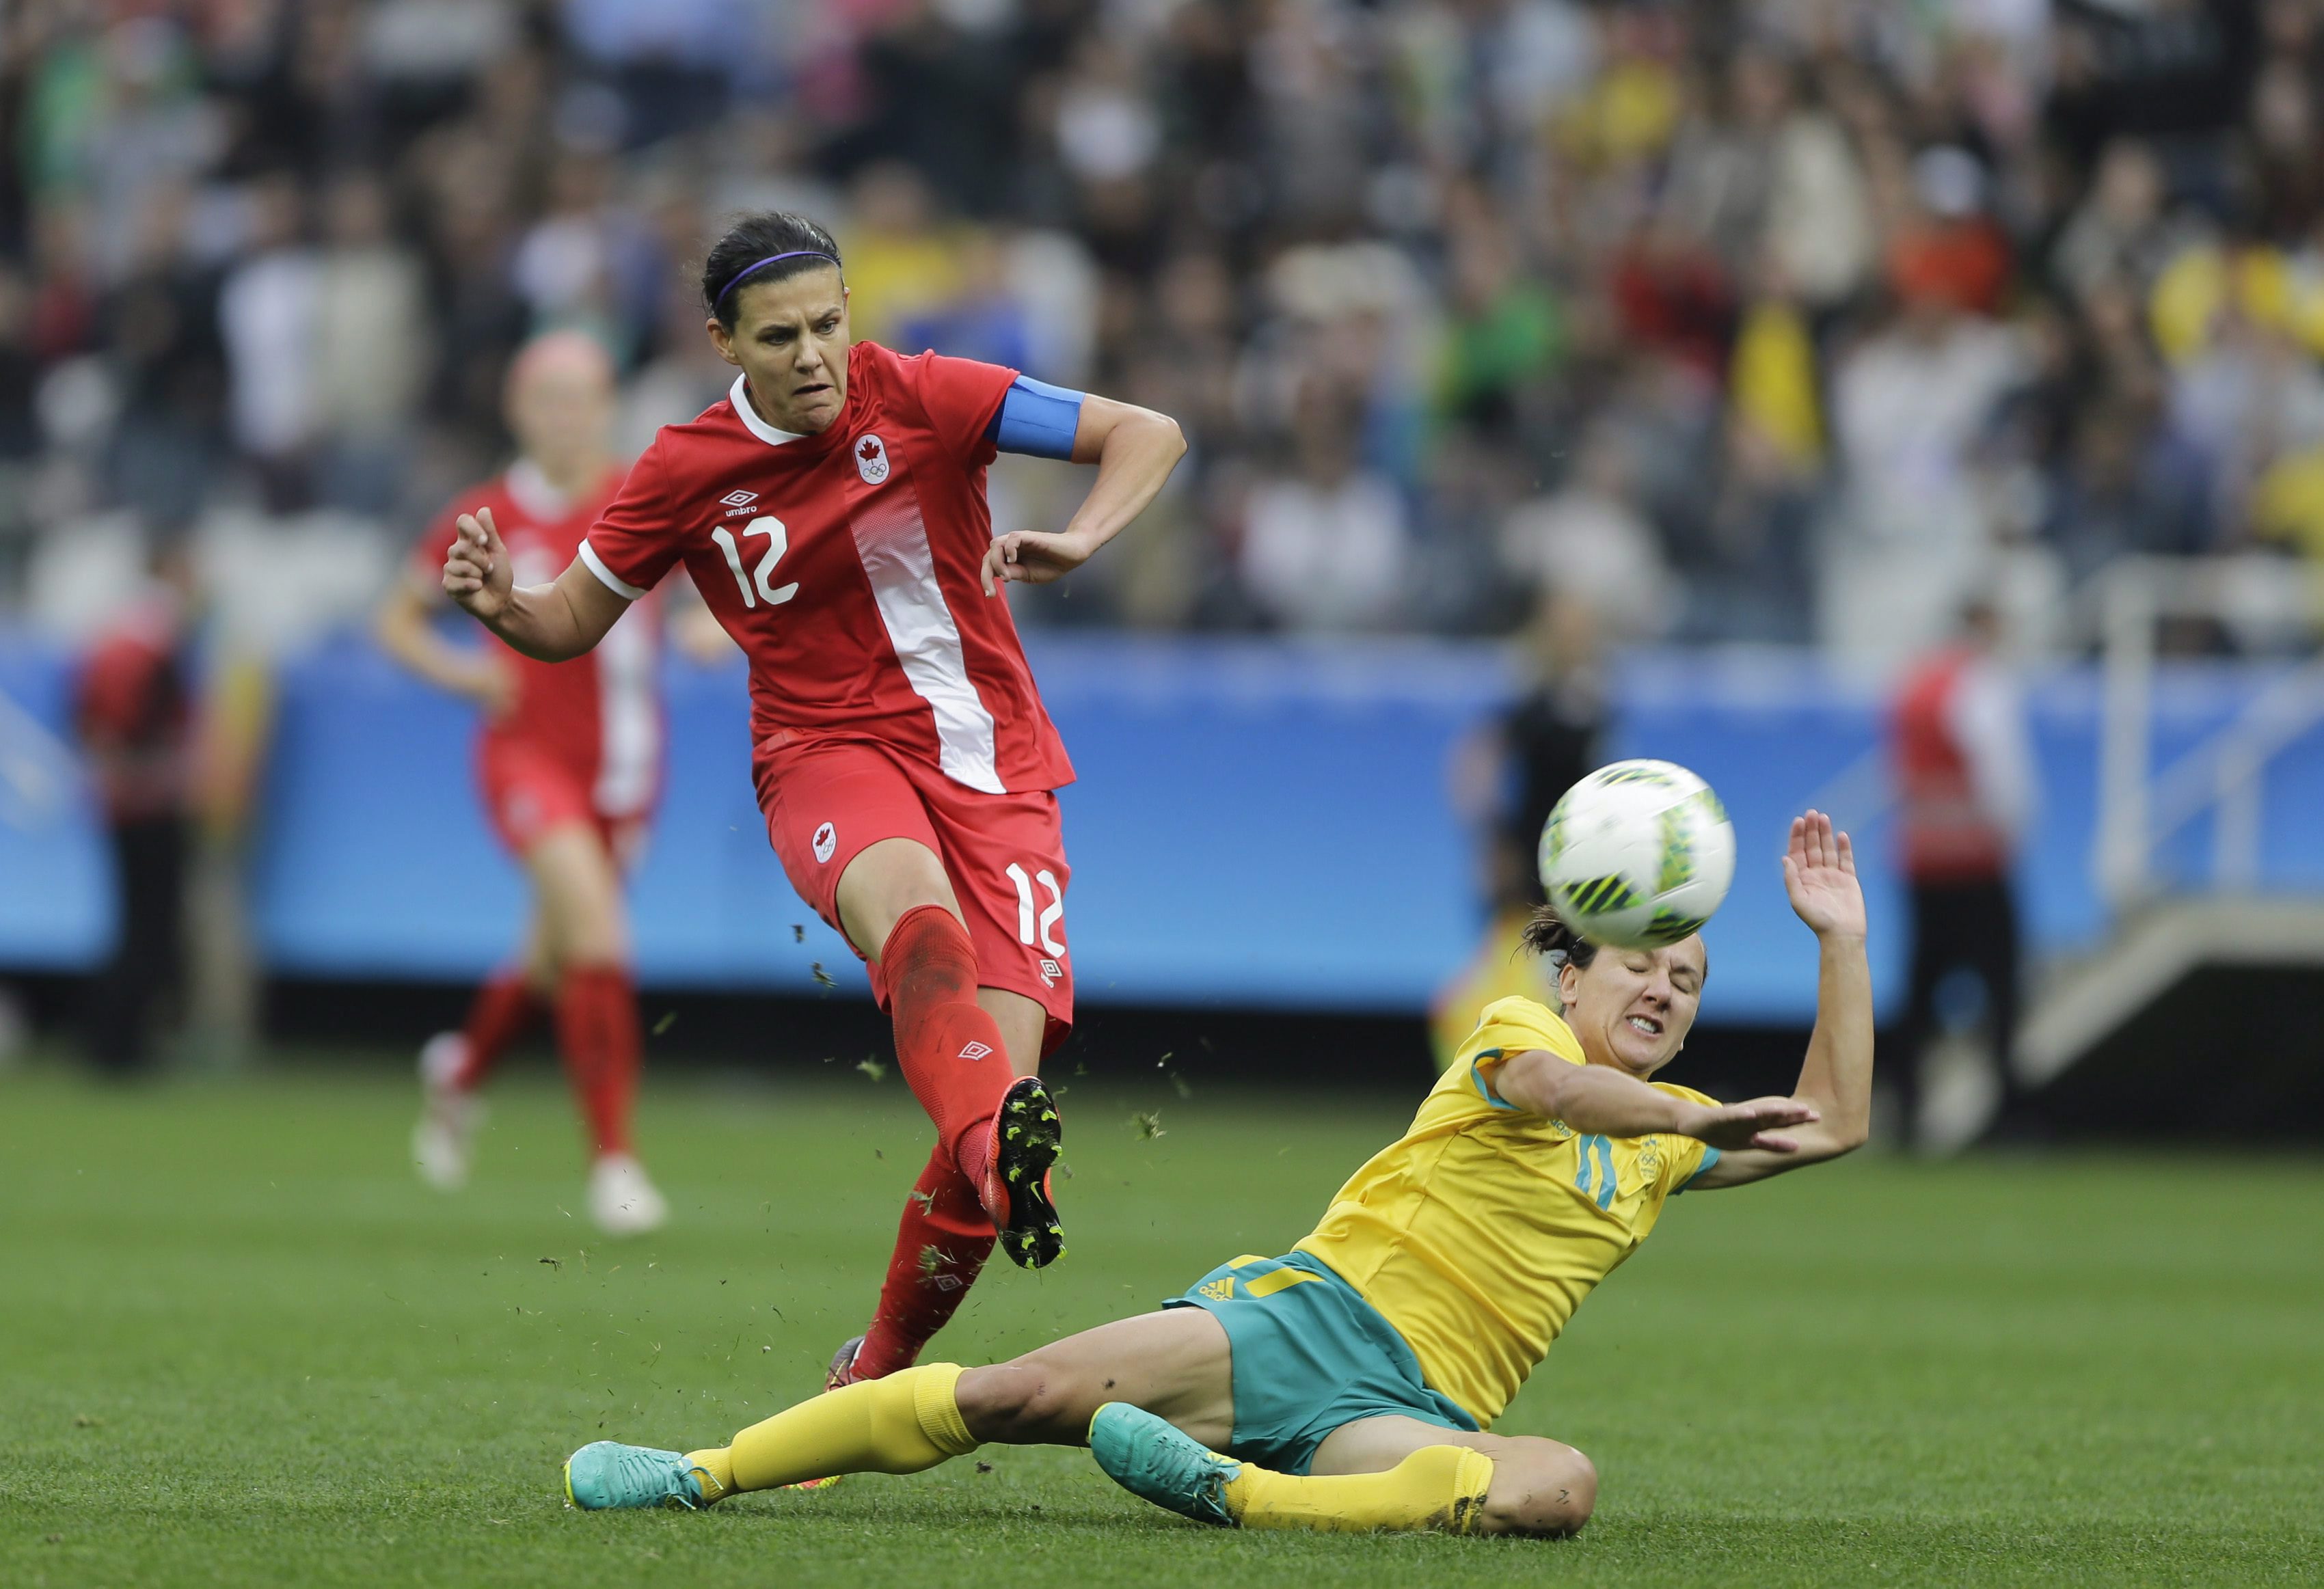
{"x": 1160, "y": 432}
{"x": 1843, "y": 1137}
{"x": 1829, "y": 1142}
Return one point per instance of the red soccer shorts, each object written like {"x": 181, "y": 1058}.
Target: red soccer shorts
{"x": 826, "y": 799}
{"x": 529, "y": 792}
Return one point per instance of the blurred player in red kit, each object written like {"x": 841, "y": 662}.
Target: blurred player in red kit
{"x": 831, "y": 510}
{"x": 133, "y": 704}
{"x": 568, "y": 763}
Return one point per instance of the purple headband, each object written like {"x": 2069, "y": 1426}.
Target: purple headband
{"x": 773, "y": 259}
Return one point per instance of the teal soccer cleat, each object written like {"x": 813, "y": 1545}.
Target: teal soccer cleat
{"x": 1149, "y": 1457}
{"x": 606, "y": 1474}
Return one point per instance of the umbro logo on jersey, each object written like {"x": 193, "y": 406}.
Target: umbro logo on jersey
{"x": 871, "y": 459}
{"x": 976, "y": 1051}
{"x": 739, "y": 499}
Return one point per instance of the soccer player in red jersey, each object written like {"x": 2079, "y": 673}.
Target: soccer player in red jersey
{"x": 832, "y": 511}
{"x": 134, "y": 706}
{"x": 568, "y": 762}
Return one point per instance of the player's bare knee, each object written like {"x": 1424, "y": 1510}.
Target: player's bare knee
{"x": 600, "y": 947}
{"x": 1020, "y": 1403}
{"x": 991, "y": 1401}
{"x": 596, "y": 934}
{"x": 1540, "y": 1487}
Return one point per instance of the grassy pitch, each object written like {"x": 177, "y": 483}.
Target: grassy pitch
{"x": 239, "y": 1345}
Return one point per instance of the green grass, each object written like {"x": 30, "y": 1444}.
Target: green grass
{"x": 239, "y": 1345}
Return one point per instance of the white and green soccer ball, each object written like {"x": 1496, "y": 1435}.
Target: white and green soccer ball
{"x": 1637, "y": 855}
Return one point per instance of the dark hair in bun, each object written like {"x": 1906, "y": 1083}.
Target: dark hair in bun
{"x": 1547, "y": 934}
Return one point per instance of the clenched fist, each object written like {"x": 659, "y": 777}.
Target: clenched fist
{"x": 476, "y": 573}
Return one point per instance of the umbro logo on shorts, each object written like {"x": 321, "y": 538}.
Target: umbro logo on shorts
{"x": 826, "y": 839}
{"x": 976, "y": 1051}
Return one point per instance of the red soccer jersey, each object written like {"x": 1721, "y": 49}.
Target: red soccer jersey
{"x": 599, "y": 715}
{"x": 135, "y": 717}
{"x": 1948, "y": 835}
{"x": 846, "y": 566}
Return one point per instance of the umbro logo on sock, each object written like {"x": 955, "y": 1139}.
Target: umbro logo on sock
{"x": 976, "y": 1051}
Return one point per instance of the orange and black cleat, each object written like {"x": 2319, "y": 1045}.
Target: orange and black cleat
{"x": 1027, "y": 1138}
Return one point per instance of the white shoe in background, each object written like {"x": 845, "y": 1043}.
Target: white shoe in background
{"x": 445, "y": 1135}
{"x": 621, "y": 1200}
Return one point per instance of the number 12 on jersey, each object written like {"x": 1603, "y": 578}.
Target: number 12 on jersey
{"x": 1027, "y": 925}
{"x": 778, "y": 541}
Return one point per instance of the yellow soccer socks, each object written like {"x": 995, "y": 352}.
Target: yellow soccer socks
{"x": 714, "y": 1471}
{"x": 901, "y": 1424}
{"x": 1435, "y": 1487}
{"x": 911, "y": 1420}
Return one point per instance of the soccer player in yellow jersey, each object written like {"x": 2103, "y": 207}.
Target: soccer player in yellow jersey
{"x": 1350, "y": 1384}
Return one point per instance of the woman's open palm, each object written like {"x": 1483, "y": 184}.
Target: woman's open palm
{"x": 1820, "y": 875}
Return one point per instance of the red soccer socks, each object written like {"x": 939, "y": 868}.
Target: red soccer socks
{"x": 941, "y": 1244}
{"x": 951, "y": 1052}
{"x": 505, "y": 1009}
{"x": 948, "y": 1045}
{"x": 597, "y": 1029}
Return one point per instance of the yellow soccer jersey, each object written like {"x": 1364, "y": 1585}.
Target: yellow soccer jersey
{"x": 1479, "y": 1232}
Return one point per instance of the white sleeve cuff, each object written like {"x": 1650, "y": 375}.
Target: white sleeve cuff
{"x": 612, "y": 582}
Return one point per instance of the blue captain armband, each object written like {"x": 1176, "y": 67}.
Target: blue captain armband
{"x": 1037, "y": 419}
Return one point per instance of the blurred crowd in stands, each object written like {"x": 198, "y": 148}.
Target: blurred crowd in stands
{"x": 1765, "y": 320}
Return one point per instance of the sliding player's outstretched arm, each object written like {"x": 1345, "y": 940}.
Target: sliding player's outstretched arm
{"x": 1600, "y": 1100}
{"x": 1134, "y": 450}
{"x": 554, "y": 622}
{"x": 1836, "y": 1080}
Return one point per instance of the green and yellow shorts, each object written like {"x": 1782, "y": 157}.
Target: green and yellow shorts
{"x": 1310, "y": 1354}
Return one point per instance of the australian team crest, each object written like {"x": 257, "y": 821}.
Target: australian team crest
{"x": 871, "y": 459}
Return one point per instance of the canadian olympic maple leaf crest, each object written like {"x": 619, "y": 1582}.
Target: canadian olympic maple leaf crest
{"x": 871, "y": 459}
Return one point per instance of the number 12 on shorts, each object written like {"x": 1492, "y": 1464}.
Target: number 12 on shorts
{"x": 1032, "y": 929}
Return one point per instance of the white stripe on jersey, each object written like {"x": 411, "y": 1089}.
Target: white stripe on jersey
{"x": 611, "y": 581}
{"x": 892, "y": 540}
{"x": 628, "y": 718}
